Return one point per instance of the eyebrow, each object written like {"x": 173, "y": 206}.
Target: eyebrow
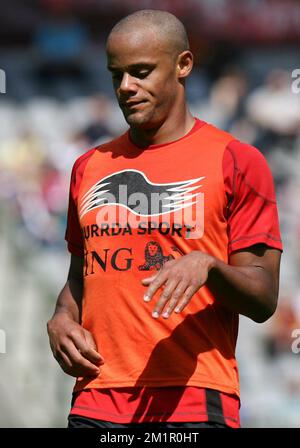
{"x": 139, "y": 65}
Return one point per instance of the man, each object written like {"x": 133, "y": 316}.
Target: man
{"x": 188, "y": 203}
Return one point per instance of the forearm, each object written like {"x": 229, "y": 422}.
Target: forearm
{"x": 70, "y": 299}
{"x": 248, "y": 290}
{"x": 72, "y": 345}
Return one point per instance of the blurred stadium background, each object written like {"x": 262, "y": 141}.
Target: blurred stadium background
{"x": 59, "y": 102}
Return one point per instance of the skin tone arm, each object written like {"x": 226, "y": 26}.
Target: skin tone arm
{"x": 73, "y": 347}
{"x": 247, "y": 285}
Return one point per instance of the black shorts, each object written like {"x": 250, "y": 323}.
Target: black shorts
{"x": 77, "y": 421}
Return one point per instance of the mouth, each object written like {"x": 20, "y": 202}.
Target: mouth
{"x": 132, "y": 104}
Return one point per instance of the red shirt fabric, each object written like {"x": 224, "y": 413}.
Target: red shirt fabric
{"x": 251, "y": 218}
{"x": 157, "y": 404}
{"x": 248, "y": 182}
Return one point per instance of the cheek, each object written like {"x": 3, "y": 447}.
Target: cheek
{"x": 168, "y": 91}
{"x": 163, "y": 86}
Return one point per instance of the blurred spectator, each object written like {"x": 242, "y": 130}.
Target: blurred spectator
{"x": 228, "y": 95}
{"x": 98, "y": 129}
{"x": 60, "y": 43}
{"x": 225, "y": 102}
{"x": 275, "y": 109}
{"x": 278, "y": 339}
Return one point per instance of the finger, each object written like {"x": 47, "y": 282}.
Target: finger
{"x": 158, "y": 281}
{"x": 67, "y": 366}
{"x": 188, "y": 294}
{"x": 91, "y": 343}
{"x": 63, "y": 361}
{"x": 174, "y": 300}
{"x": 148, "y": 280}
{"x": 79, "y": 364}
{"x": 86, "y": 346}
{"x": 164, "y": 297}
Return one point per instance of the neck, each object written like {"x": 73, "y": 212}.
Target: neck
{"x": 174, "y": 128}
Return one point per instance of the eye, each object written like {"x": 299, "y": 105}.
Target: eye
{"x": 141, "y": 74}
{"x": 116, "y": 76}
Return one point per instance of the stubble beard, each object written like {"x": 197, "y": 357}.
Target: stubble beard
{"x": 140, "y": 120}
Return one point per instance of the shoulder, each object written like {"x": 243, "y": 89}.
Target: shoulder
{"x": 214, "y": 134}
{"x": 81, "y": 162}
{"x": 244, "y": 156}
{"x": 246, "y": 169}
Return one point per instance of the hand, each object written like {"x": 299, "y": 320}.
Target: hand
{"x": 180, "y": 278}
{"x": 73, "y": 347}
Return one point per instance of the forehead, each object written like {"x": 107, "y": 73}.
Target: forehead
{"x": 135, "y": 47}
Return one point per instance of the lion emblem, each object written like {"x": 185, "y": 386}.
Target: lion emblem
{"x": 154, "y": 257}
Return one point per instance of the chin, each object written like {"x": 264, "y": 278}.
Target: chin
{"x": 145, "y": 121}
{"x": 138, "y": 121}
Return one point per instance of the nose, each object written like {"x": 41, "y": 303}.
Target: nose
{"x": 127, "y": 84}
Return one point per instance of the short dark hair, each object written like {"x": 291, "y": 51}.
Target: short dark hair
{"x": 166, "y": 25}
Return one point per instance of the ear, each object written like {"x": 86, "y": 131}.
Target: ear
{"x": 184, "y": 64}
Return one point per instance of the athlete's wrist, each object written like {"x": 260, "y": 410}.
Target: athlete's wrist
{"x": 206, "y": 260}
{"x": 64, "y": 312}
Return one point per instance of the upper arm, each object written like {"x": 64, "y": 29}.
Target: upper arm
{"x": 251, "y": 212}
{"x": 254, "y": 242}
{"x": 75, "y": 283}
{"x": 265, "y": 259}
{"x": 73, "y": 233}
{"x": 76, "y": 268}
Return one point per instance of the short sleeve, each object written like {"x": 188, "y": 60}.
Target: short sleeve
{"x": 251, "y": 213}
{"x": 73, "y": 235}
